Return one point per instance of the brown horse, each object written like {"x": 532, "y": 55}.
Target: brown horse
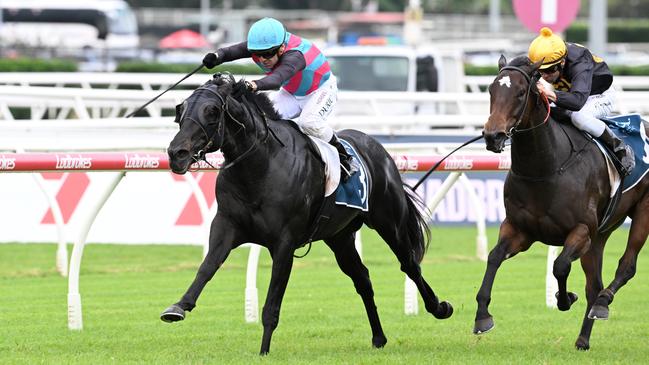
{"x": 556, "y": 192}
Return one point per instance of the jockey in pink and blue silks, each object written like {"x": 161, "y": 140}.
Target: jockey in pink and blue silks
{"x": 306, "y": 89}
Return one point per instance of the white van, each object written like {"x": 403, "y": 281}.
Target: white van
{"x": 381, "y": 68}
{"x": 384, "y": 68}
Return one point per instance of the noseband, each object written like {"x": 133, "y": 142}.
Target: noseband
{"x": 200, "y": 154}
{"x": 531, "y": 81}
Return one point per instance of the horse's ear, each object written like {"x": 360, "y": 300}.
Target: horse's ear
{"x": 179, "y": 112}
{"x": 502, "y": 62}
{"x": 536, "y": 65}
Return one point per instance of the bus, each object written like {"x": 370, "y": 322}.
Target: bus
{"x": 68, "y": 24}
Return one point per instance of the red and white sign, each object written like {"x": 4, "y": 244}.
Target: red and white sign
{"x": 154, "y": 161}
{"x": 554, "y": 14}
{"x": 161, "y": 207}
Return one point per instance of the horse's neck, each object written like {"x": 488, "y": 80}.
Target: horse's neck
{"x": 535, "y": 152}
{"x": 244, "y": 139}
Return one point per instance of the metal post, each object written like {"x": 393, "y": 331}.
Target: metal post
{"x": 205, "y": 18}
{"x": 597, "y": 29}
{"x": 75, "y": 319}
{"x": 494, "y": 16}
{"x": 251, "y": 305}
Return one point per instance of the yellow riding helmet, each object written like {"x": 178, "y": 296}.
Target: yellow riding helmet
{"x": 548, "y": 47}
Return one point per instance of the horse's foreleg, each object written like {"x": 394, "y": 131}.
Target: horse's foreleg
{"x": 223, "y": 236}
{"x": 351, "y": 264}
{"x": 282, "y": 264}
{"x": 627, "y": 265}
{"x": 510, "y": 242}
{"x": 577, "y": 244}
{"x": 591, "y": 263}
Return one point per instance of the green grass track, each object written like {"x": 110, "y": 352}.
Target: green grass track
{"x": 124, "y": 289}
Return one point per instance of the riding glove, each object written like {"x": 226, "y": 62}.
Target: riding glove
{"x": 211, "y": 60}
{"x": 241, "y": 87}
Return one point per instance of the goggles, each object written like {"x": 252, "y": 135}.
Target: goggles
{"x": 266, "y": 54}
{"x": 551, "y": 69}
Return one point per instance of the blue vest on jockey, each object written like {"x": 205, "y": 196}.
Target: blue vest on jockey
{"x": 316, "y": 72}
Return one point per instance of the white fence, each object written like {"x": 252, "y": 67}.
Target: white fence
{"x": 95, "y": 95}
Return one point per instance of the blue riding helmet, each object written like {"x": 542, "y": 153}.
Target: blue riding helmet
{"x": 266, "y": 34}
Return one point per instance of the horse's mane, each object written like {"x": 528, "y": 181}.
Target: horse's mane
{"x": 521, "y": 61}
{"x": 264, "y": 103}
{"x": 259, "y": 98}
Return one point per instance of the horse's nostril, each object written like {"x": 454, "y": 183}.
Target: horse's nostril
{"x": 181, "y": 154}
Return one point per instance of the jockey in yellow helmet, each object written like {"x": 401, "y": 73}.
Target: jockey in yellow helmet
{"x": 581, "y": 89}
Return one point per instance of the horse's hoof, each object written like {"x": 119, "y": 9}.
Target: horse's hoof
{"x": 379, "y": 341}
{"x": 173, "y": 314}
{"x": 563, "y": 306}
{"x": 598, "y": 312}
{"x": 444, "y": 310}
{"x": 582, "y": 344}
{"x": 483, "y": 325}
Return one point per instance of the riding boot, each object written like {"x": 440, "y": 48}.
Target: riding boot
{"x": 345, "y": 158}
{"x": 622, "y": 151}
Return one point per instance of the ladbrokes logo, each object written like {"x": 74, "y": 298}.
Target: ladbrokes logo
{"x": 405, "y": 164}
{"x": 212, "y": 162}
{"x": 7, "y": 163}
{"x": 504, "y": 163}
{"x": 458, "y": 163}
{"x": 142, "y": 162}
{"x": 68, "y": 162}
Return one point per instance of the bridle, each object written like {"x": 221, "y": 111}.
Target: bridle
{"x": 531, "y": 80}
{"x": 200, "y": 155}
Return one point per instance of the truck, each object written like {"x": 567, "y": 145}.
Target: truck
{"x": 393, "y": 68}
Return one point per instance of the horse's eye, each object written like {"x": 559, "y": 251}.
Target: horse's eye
{"x": 521, "y": 93}
{"x": 213, "y": 111}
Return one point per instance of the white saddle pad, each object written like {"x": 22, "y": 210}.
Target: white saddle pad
{"x": 332, "y": 164}
{"x": 613, "y": 175}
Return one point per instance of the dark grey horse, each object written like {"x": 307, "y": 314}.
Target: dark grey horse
{"x": 271, "y": 192}
{"x": 556, "y": 192}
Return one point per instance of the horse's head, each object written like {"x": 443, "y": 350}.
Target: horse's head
{"x": 200, "y": 118}
{"x": 511, "y": 92}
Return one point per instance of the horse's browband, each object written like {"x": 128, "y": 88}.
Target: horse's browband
{"x": 527, "y": 77}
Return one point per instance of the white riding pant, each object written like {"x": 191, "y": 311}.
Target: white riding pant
{"x": 596, "y": 106}
{"x": 310, "y": 112}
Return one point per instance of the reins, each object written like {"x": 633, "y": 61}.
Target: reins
{"x": 531, "y": 80}
{"x": 220, "y": 130}
{"x": 162, "y": 93}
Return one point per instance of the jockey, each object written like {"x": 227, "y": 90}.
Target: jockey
{"x": 582, "y": 83}
{"x": 307, "y": 87}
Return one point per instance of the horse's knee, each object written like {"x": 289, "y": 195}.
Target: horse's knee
{"x": 411, "y": 268}
{"x": 561, "y": 268}
{"x": 628, "y": 269}
{"x": 362, "y": 283}
{"x": 365, "y": 289}
{"x": 496, "y": 257}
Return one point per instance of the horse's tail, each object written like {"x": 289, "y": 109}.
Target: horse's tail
{"x": 417, "y": 224}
